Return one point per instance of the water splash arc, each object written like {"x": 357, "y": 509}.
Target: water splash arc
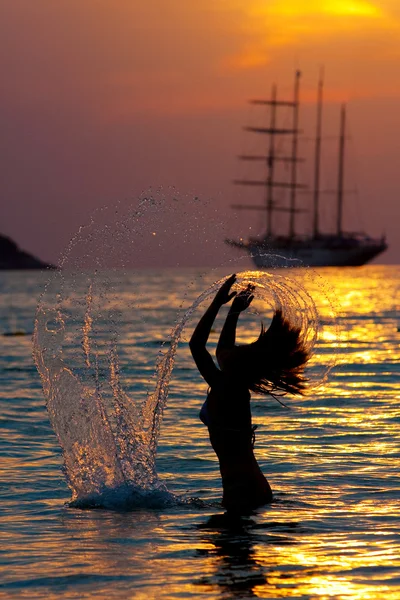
{"x": 109, "y": 438}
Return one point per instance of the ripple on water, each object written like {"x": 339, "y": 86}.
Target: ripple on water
{"x": 332, "y": 459}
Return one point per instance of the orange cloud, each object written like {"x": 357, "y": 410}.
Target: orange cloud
{"x": 294, "y": 8}
{"x": 274, "y": 24}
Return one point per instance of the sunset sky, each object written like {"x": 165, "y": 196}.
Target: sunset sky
{"x": 101, "y": 100}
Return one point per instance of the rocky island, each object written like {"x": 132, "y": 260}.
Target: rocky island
{"x": 12, "y": 257}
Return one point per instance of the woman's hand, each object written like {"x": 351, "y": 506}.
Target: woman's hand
{"x": 243, "y": 299}
{"x": 224, "y": 295}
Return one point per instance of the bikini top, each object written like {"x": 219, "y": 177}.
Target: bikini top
{"x": 213, "y": 428}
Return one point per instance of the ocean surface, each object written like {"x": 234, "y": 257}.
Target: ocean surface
{"x": 332, "y": 458}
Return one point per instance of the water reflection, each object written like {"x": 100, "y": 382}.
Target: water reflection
{"x": 332, "y": 459}
{"x": 234, "y": 540}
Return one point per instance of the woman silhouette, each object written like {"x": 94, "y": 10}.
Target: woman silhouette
{"x": 273, "y": 363}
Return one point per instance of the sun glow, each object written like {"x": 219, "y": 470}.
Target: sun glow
{"x": 294, "y": 8}
{"x": 277, "y": 25}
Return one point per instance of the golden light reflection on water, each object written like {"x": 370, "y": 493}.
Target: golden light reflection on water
{"x": 332, "y": 461}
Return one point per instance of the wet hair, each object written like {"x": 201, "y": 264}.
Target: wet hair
{"x": 275, "y": 362}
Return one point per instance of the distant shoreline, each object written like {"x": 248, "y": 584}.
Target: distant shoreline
{"x": 13, "y": 258}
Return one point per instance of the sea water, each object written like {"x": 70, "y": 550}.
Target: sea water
{"x": 332, "y": 458}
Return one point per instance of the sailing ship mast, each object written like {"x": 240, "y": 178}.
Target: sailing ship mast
{"x": 318, "y": 249}
{"x": 269, "y": 183}
{"x": 294, "y": 154}
{"x": 317, "y": 162}
{"x": 270, "y": 163}
{"x": 339, "y": 229}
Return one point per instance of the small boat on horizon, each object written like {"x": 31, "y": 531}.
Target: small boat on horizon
{"x": 317, "y": 249}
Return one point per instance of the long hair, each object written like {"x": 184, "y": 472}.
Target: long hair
{"x": 275, "y": 362}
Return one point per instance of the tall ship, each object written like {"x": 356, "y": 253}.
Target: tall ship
{"x": 292, "y": 248}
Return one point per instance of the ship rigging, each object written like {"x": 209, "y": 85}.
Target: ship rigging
{"x": 318, "y": 248}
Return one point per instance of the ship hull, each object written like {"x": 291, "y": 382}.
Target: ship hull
{"x": 328, "y": 252}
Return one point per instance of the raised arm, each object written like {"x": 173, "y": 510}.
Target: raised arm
{"x": 228, "y": 334}
{"x": 199, "y": 338}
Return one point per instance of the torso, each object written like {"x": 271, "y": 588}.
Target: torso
{"x": 227, "y": 415}
{"x": 228, "y": 405}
